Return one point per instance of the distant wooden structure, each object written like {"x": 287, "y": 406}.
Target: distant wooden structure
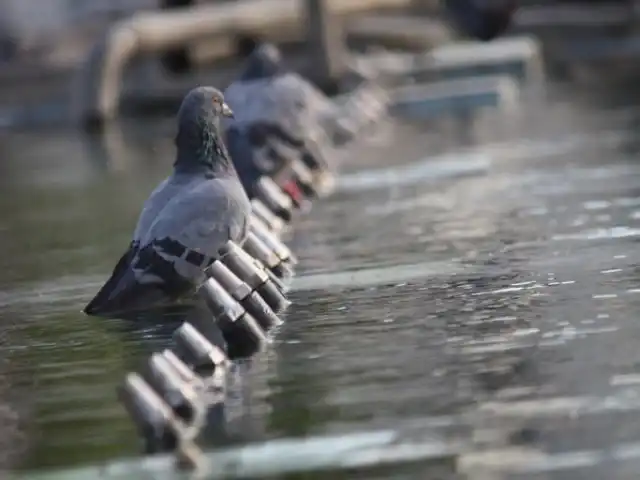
{"x": 96, "y": 95}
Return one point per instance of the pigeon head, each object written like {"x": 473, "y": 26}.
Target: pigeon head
{"x": 199, "y": 142}
{"x": 264, "y": 62}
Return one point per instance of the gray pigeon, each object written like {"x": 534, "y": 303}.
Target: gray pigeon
{"x": 275, "y": 103}
{"x": 281, "y": 109}
{"x": 187, "y": 218}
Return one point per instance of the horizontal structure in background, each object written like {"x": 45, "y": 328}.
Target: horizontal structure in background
{"x": 575, "y": 14}
{"x": 214, "y": 30}
{"x": 518, "y": 57}
{"x": 97, "y": 93}
{"x": 456, "y": 96}
{"x": 35, "y": 17}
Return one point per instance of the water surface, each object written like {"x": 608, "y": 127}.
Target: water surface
{"x": 486, "y": 292}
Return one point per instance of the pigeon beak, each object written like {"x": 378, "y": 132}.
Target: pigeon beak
{"x": 226, "y": 111}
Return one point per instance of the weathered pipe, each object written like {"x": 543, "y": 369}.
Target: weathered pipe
{"x": 247, "y": 268}
{"x": 183, "y": 371}
{"x": 250, "y": 299}
{"x": 96, "y": 96}
{"x": 303, "y": 177}
{"x": 186, "y": 401}
{"x": 241, "y": 331}
{"x": 207, "y": 360}
{"x": 261, "y": 230}
{"x": 153, "y": 417}
{"x": 271, "y": 220}
{"x": 160, "y": 425}
{"x": 259, "y": 250}
{"x": 274, "y": 198}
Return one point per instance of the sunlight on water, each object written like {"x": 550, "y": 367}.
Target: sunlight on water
{"x": 430, "y": 169}
{"x": 600, "y": 234}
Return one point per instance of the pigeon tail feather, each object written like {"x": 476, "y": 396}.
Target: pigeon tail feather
{"x": 126, "y": 290}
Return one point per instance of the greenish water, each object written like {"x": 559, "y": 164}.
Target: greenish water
{"x": 488, "y": 284}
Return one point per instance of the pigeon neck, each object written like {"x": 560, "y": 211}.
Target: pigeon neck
{"x": 206, "y": 154}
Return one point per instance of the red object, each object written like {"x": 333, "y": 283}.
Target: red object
{"x": 291, "y": 188}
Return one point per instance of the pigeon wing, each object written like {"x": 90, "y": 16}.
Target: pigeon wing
{"x": 204, "y": 218}
{"x": 152, "y": 206}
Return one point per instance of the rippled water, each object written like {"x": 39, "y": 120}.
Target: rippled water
{"x": 487, "y": 297}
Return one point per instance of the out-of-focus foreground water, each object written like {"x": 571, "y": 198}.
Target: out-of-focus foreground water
{"x": 500, "y": 284}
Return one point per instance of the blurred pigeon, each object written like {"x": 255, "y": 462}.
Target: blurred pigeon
{"x": 187, "y": 218}
{"x": 276, "y": 108}
{"x": 267, "y": 92}
{"x": 481, "y": 19}
{"x": 266, "y": 135}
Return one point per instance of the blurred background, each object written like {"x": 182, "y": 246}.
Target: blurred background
{"x": 501, "y": 228}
